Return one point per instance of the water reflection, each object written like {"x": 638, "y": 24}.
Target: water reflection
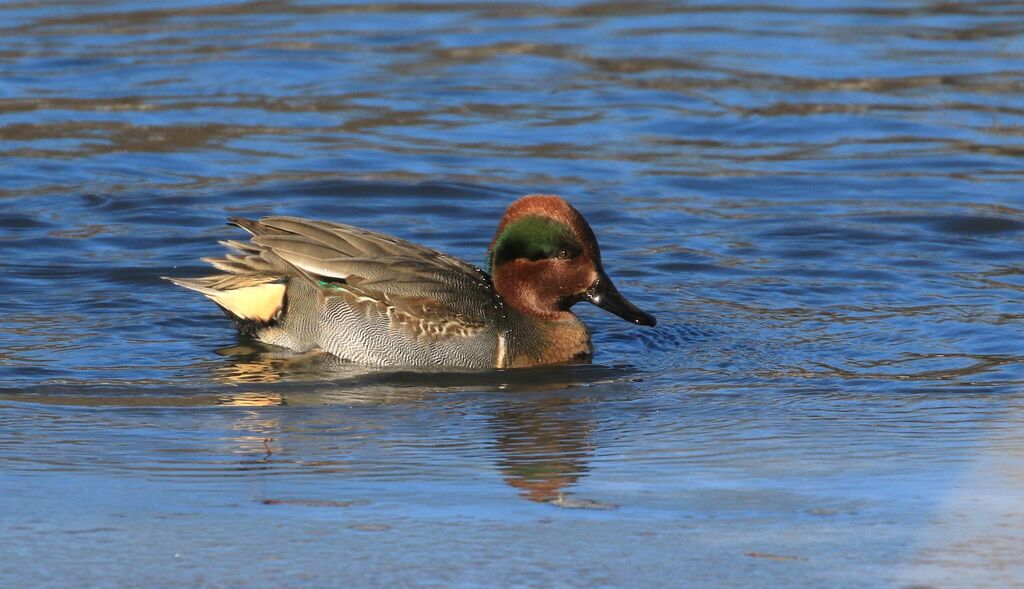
{"x": 544, "y": 445}
{"x": 543, "y": 442}
{"x": 252, "y": 362}
{"x": 250, "y": 399}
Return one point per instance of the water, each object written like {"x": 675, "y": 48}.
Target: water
{"x": 820, "y": 201}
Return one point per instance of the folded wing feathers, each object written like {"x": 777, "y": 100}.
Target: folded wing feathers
{"x": 212, "y": 285}
{"x": 345, "y": 239}
{"x": 243, "y": 247}
{"x": 246, "y": 266}
{"x": 415, "y": 281}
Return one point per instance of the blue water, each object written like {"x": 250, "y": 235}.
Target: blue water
{"x": 821, "y": 202}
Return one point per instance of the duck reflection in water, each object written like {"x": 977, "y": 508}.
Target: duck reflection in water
{"x": 544, "y": 446}
{"x": 544, "y": 442}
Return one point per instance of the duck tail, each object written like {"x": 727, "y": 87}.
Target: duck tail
{"x": 259, "y": 299}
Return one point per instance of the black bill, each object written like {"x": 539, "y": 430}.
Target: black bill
{"x": 604, "y": 294}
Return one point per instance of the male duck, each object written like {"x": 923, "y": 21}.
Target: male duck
{"x": 376, "y": 299}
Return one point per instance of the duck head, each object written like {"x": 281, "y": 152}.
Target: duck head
{"x": 544, "y": 259}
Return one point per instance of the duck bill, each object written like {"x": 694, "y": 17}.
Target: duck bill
{"x": 604, "y": 295}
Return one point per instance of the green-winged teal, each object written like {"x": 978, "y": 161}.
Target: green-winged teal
{"x": 376, "y": 299}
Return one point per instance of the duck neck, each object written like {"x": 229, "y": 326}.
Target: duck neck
{"x": 529, "y": 340}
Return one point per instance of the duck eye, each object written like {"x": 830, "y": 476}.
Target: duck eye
{"x": 563, "y": 254}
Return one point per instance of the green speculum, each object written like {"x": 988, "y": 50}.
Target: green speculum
{"x": 533, "y": 238}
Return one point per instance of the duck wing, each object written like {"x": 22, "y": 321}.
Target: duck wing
{"x": 419, "y": 287}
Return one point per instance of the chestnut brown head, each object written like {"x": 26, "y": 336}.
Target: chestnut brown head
{"x": 544, "y": 259}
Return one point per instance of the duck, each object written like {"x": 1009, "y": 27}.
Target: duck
{"x": 375, "y": 299}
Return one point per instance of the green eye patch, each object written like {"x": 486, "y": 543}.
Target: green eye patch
{"x": 533, "y": 238}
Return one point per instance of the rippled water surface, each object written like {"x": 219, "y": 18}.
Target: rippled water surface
{"x": 820, "y": 201}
